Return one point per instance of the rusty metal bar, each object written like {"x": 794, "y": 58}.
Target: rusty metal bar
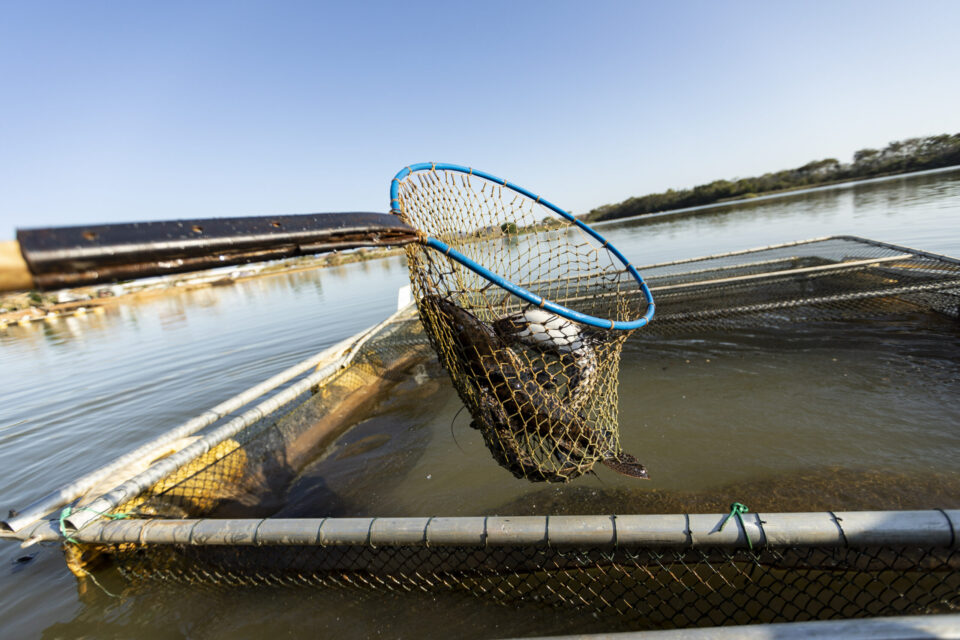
{"x": 93, "y": 254}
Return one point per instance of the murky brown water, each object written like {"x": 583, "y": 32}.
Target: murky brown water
{"x": 842, "y": 415}
{"x": 837, "y": 416}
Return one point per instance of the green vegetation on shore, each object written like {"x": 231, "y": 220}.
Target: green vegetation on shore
{"x": 903, "y": 156}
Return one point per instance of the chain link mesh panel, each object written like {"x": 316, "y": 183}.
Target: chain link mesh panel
{"x": 643, "y": 588}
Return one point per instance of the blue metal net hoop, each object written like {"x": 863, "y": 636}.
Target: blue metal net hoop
{"x": 528, "y": 309}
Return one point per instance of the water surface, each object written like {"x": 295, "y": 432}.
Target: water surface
{"x": 80, "y": 391}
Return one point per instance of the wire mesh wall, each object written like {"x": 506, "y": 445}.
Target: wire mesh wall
{"x": 641, "y": 588}
{"x": 255, "y": 466}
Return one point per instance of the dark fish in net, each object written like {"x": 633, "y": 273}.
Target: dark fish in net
{"x": 516, "y": 400}
{"x": 527, "y": 308}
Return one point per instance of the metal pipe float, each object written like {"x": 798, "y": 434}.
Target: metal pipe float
{"x": 931, "y": 528}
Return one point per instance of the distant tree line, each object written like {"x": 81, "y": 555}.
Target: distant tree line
{"x": 915, "y": 154}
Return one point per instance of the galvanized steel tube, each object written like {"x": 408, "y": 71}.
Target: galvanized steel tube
{"x": 931, "y": 528}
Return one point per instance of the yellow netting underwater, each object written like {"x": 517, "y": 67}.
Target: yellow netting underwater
{"x": 542, "y": 389}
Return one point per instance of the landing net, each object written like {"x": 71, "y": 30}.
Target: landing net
{"x": 539, "y": 379}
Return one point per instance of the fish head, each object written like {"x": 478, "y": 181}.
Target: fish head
{"x": 474, "y": 340}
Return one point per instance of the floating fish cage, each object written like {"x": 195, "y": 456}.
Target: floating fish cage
{"x": 193, "y": 506}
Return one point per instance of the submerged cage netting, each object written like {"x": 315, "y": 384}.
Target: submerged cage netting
{"x": 840, "y": 278}
{"x": 540, "y": 385}
{"x": 213, "y": 512}
{"x": 615, "y": 572}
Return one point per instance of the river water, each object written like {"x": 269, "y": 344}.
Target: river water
{"x": 80, "y": 391}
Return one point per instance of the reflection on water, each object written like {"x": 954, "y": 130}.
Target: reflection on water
{"x": 373, "y": 458}
{"x": 770, "y": 421}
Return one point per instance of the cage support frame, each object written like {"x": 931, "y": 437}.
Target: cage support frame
{"x": 134, "y": 486}
{"x": 931, "y": 528}
{"x": 70, "y": 492}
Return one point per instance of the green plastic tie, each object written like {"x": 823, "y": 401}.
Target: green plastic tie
{"x": 67, "y": 511}
{"x": 64, "y": 514}
{"x": 63, "y": 527}
{"x": 736, "y": 509}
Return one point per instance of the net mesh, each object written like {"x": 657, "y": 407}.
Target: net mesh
{"x": 840, "y": 278}
{"x": 616, "y": 588}
{"x": 249, "y": 473}
{"x": 629, "y": 588}
{"x": 541, "y": 389}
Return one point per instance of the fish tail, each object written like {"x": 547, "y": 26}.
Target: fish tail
{"x": 626, "y": 465}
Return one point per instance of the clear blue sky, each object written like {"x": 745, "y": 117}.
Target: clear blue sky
{"x": 119, "y": 111}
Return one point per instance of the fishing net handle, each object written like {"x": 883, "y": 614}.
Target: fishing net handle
{"x": 512, "y": 287}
